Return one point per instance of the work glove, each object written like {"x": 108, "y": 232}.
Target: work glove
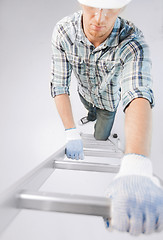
{"x": 74, "y": 145}
{"x": 136, "y": 198}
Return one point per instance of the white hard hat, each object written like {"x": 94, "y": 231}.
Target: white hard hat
{"x": 110, "y": 4}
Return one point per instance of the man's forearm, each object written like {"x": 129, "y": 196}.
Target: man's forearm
{"x": 138, "y": 127}
{"x": 64, "y": 109}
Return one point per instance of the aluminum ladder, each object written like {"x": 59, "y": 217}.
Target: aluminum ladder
{"x": 25, "y": 193}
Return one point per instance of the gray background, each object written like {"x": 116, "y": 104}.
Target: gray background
{"x": 30, "y": 128}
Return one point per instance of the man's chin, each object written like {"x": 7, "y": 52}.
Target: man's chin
{"x": 97, "y": 34}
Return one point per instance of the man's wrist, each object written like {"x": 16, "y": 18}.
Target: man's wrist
{"x": 72, "y": 134}
{"x": 139, "y": 165}
{"x": 67, "y": 129}
{"x": 135, "y": 164}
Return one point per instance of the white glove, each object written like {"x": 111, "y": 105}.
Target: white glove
{"x": 136, "y": 197}
{"x": 74, "y": 146}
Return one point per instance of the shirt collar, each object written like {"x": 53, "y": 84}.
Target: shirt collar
{"x": 111, "y": 41}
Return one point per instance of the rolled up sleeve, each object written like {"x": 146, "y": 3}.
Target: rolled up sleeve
{"x": 136, "y": 80}
{"x": 60, "y": 68}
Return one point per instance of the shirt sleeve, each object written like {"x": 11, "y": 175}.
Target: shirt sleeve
{"x": 60, "y": 68}
{"x": 136, "y": 81}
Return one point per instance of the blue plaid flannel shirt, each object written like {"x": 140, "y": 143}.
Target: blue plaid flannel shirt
{"x": 120, "y": 68}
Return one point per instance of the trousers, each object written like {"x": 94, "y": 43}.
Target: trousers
{"x": 104, "y": 120}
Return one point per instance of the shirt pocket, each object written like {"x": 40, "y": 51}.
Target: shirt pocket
{"x": 77, "y": 63}
{"x": 108, "y": 71}
{"x": 105, "y": 67}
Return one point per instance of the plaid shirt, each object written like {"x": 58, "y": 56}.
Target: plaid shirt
{"x": 120, "y": 68}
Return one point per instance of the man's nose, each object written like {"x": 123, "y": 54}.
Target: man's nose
{"x": 100, "y": 16}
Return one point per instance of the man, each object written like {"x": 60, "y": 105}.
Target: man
{"x": 110, "y": 60}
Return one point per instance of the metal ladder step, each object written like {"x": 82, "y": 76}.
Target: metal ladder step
{"x": 65, "y": 203}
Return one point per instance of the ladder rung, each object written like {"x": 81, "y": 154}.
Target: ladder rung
{"x": 86, "y": 166}
{"x": 66, "y": 203}
{"x": 101, "y": 153}
{"x": 102, "y": 147}
{"x": 98, "y": 143}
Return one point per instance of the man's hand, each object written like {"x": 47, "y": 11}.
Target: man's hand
{"x": 74, "y": 146}
{"x": 137, "y": 198}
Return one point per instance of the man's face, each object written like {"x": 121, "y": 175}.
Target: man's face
{"x": 98, "y": 23}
